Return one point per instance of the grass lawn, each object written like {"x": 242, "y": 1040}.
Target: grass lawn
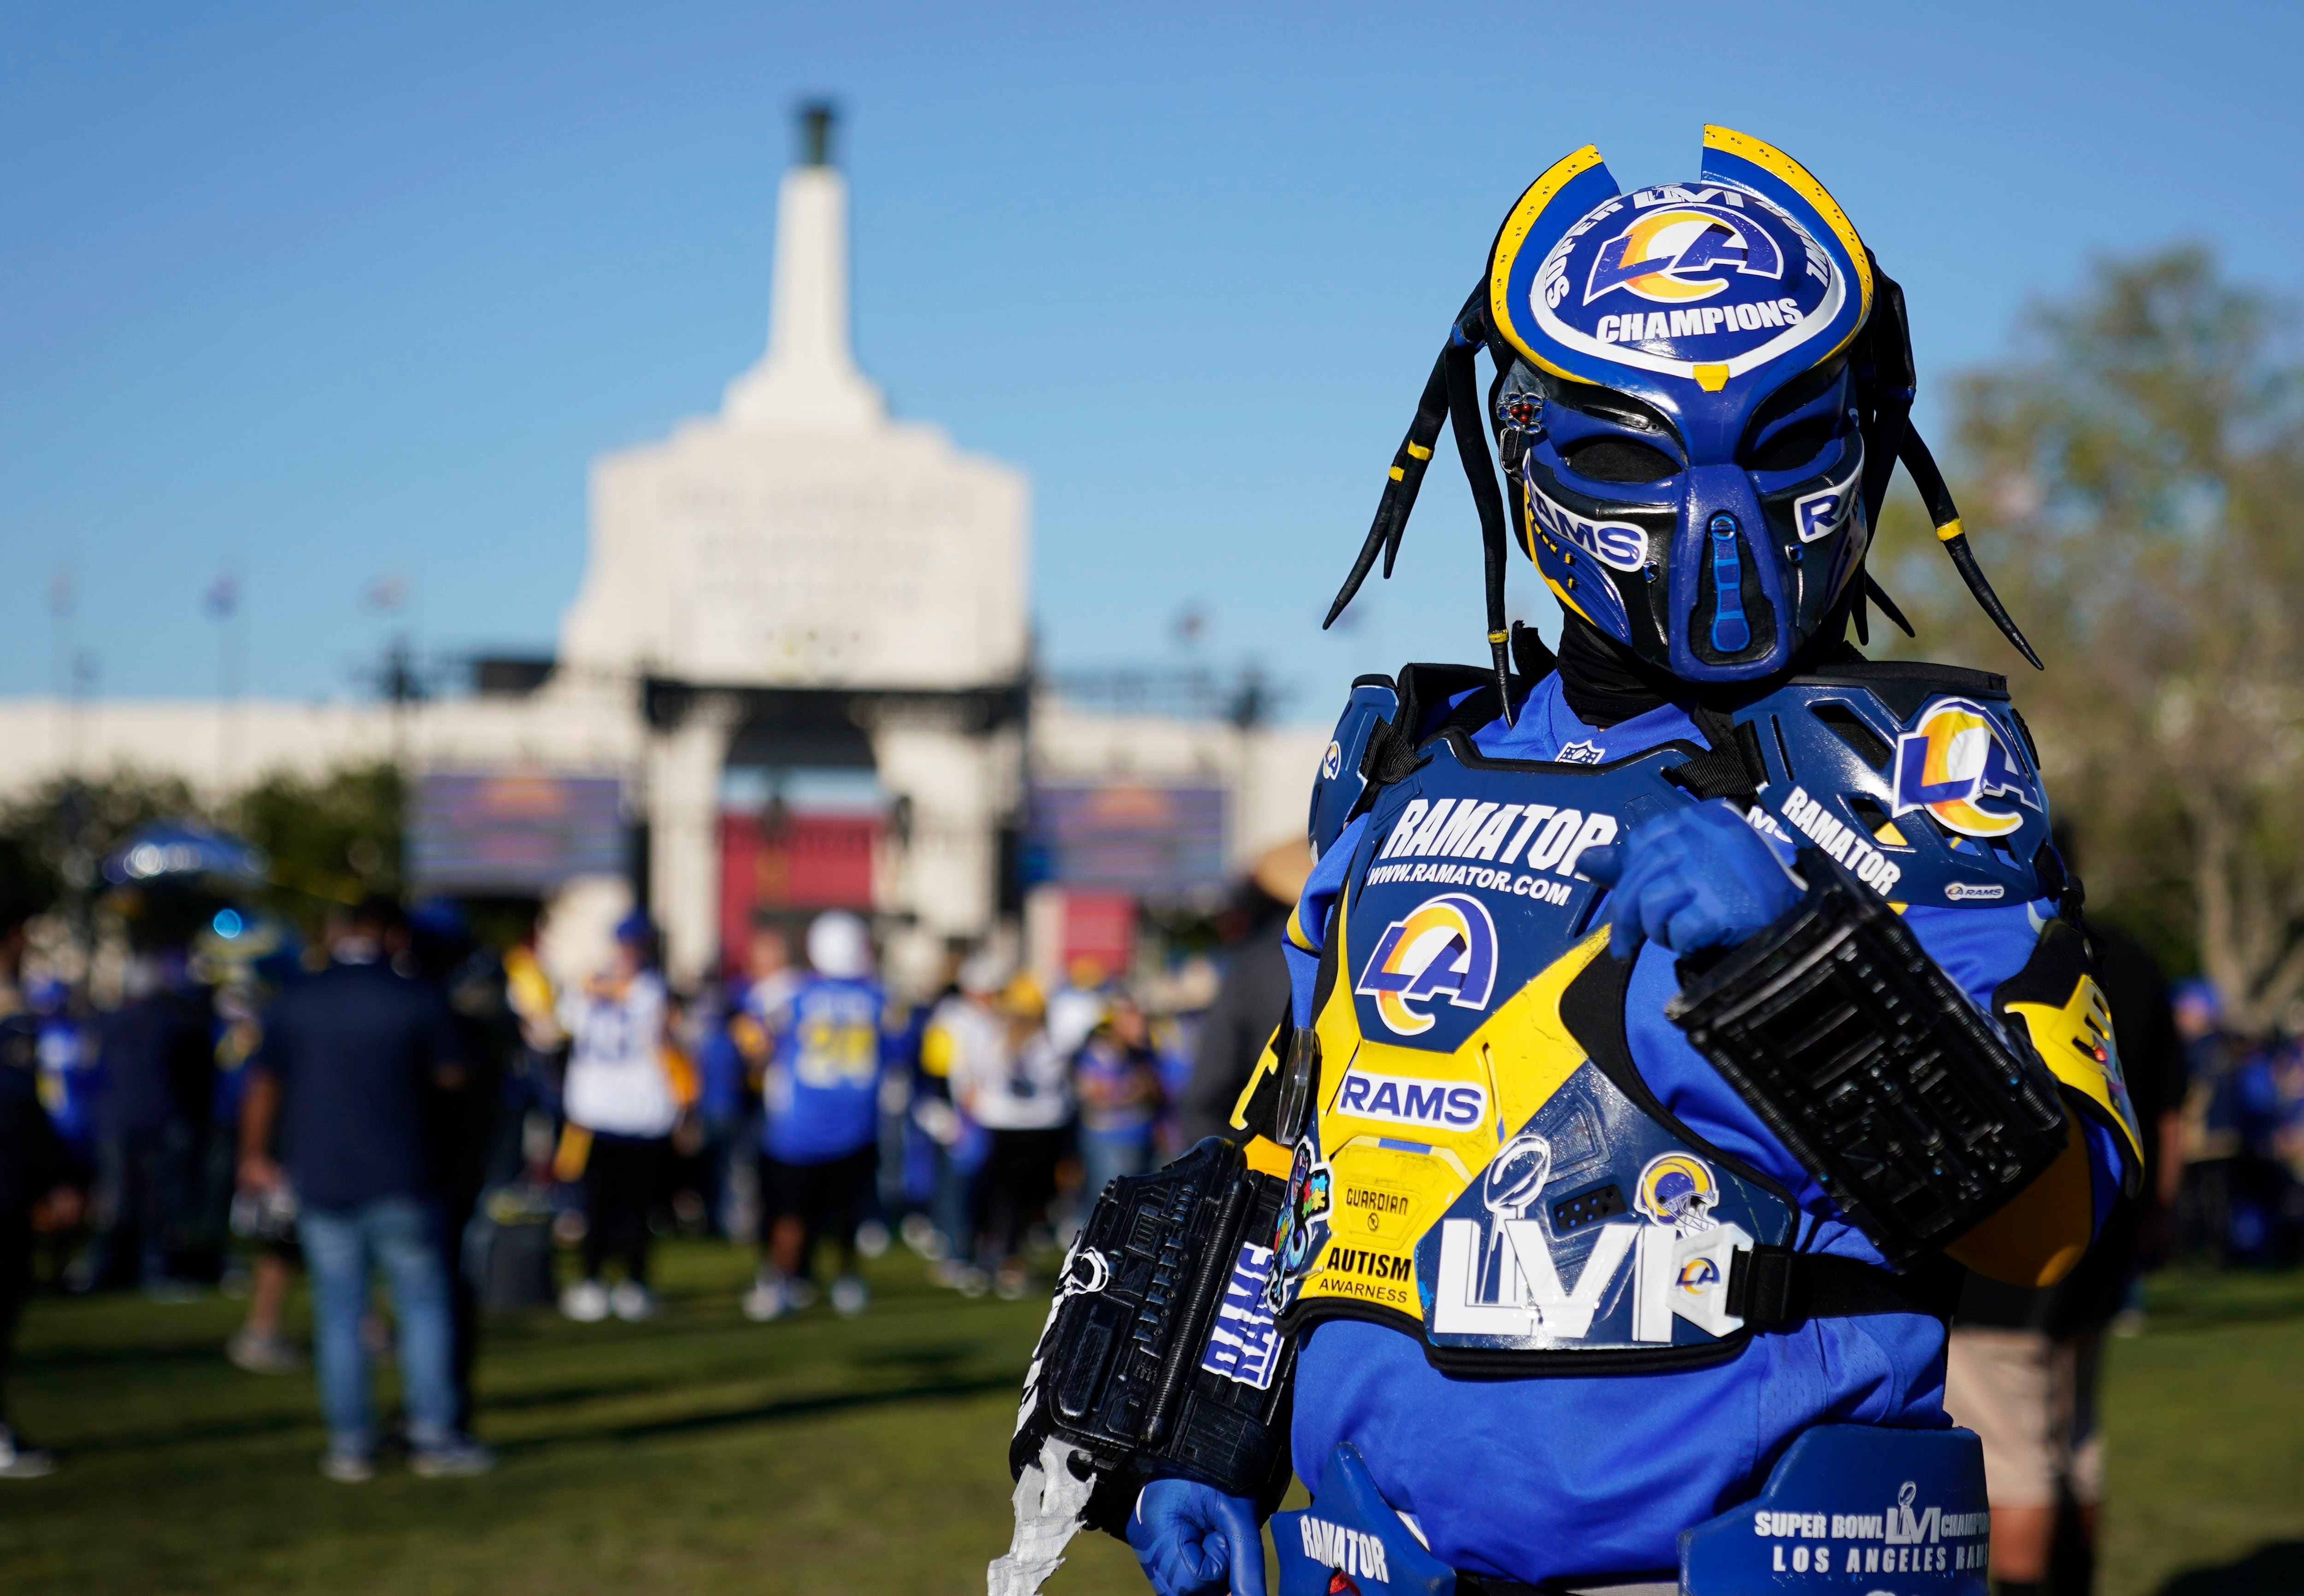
{"x": 699, "y": 1454}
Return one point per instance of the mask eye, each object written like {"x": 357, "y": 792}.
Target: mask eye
{"x": 1795, "y": 446}
{"x": 1618, "y": 460}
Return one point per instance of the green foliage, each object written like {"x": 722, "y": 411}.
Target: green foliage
{"x": 66, "y": 826}
{"x": 2128, "y": 476}
{"x": 332, "y": 839}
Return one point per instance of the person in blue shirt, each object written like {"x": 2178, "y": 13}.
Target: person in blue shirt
{"x": 821, "y": 1125}
{"x": 350, "y": 1070}
{"x": 1116, "y": 1079}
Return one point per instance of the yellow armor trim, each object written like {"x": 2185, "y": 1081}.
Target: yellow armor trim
{"x": 1267, "y": 1062}
{"x": 1514, "y": 233}
{"x": 1797, "y": 178}
{"x": 1383, "y": 1198}
{"x": 2076, "y": 1043}
{"x": 1268, "y": 1157}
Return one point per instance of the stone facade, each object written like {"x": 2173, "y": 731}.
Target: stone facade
{"x": 798, "y": 559}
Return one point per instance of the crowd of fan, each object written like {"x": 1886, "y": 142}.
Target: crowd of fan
{"x": 405, "y": 1101}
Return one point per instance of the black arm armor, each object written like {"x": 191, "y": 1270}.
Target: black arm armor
{"x": 1119, "y": 1374}
{"x": 1873, "y": 1069}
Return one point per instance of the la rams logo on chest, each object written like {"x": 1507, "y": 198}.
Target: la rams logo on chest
{"x": 1470, "y": 881}
{"x": 1445, "y": 947}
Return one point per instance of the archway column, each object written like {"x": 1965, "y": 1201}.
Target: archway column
{"x": 684, "y": 764}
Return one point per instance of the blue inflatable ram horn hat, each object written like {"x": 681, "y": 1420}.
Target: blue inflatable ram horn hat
{"x": 1701, "y": 390}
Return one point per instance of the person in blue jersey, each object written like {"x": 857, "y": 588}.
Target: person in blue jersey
{"x": 1116, "y": 1080}
{"x": 1671, "y": 1016}
{"x": 821, "y": 1125}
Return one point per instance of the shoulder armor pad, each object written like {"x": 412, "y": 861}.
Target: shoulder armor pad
{"x": 1382, "y": 726}
{"x": 1920, "y": 778}
{"x": 1337, "y": 790}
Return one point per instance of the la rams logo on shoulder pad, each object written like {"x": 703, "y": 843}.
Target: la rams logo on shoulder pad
{"x": 1955, "y": 765}
{"x": 1443, "y": 947}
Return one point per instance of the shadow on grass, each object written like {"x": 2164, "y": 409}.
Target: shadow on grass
{"x": 2274, "y": 1569}
{"x": 54, "y": 1358}
{"x": 771, "y": 1413}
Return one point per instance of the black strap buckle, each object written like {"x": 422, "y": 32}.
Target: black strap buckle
{"x": 1775, "y": 1287}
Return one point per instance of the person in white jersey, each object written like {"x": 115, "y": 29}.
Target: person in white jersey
{"x": 619, "y": 1095}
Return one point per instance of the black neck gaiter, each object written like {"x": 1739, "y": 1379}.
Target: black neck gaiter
{"x": 1605, "y": 682}
{"x": 1601, "y": 680}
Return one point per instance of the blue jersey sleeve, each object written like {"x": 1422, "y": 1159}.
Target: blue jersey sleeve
{"x": 1308, "y": 922}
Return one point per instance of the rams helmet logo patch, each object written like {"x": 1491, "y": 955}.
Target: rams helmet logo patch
{"x": 1678, "y": 1189}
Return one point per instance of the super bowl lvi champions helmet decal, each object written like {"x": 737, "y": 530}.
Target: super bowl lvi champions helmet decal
{"x": 1701, "y": 390}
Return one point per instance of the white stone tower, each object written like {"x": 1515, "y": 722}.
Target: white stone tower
{"x": 800, "y": 550}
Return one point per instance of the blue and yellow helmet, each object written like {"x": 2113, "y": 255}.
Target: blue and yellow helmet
{"x": 1701, "y": 390}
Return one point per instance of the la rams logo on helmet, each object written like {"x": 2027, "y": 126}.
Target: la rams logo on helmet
{"x": 1678, "y": 1189}
{"x": 1443, "y": 947}
{"x": 1683, "y": 253}
{"x": 1665, "y": 277}
{"x": 1955, "y": 765}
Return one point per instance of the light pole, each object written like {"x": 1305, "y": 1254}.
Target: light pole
{"x": 222, "y": 603}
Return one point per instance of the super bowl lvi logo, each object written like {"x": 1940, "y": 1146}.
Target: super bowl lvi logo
{"x": 1503, "y": 1275}
{"x": 1445, "y": 947}
{"x": 1955, "y": 765}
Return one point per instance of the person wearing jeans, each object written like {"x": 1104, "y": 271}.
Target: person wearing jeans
{"x": 343, "y": 1247}
{"x": 352, "y": 1066}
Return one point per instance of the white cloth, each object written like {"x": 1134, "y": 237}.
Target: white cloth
{"x": 1074, "y": 1012}
{"x": 1003, "y": 1087}
{"x": 1051, "y": 1504}
{"x": 616, "y": 1081}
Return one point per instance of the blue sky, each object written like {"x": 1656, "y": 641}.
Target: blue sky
{"x": 330, "y": 294}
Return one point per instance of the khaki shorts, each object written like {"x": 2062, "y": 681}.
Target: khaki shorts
{"x": 2032, "y": 1401}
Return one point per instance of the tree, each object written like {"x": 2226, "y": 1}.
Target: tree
{"x": 67, "y": 826}
{"x": 2131, "y": 474}
{"x": 331, "y": 839}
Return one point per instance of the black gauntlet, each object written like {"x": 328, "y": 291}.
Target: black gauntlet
{"x": 1872, "y": 1067}
{"x": 1160, "y": 1357}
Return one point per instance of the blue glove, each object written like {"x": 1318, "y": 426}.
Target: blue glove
{"x": 1188, "y": 1536}
{"x": 1694, "y": 878}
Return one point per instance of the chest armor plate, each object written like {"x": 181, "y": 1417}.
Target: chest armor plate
{"x": 1474, "y": 1174}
